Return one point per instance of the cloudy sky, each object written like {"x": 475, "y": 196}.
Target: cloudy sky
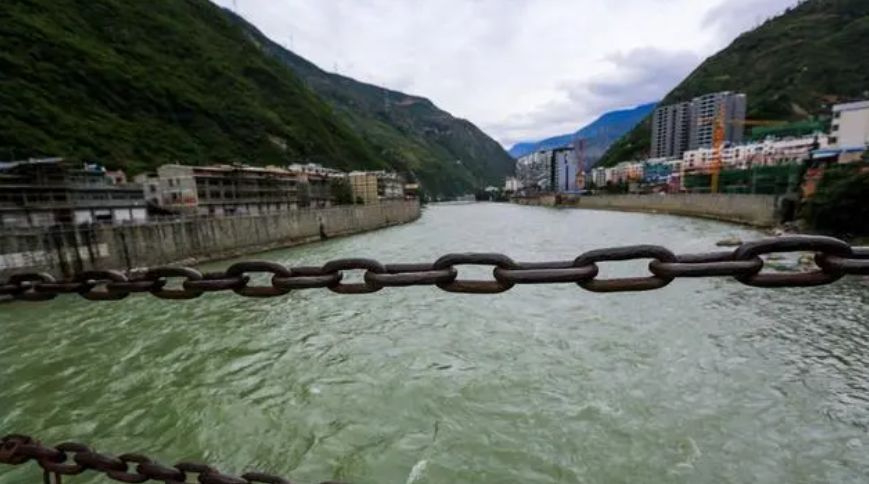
{"x": 520, "y": 69}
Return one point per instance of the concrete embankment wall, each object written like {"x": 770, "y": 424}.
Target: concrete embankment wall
{"x": 756, "y": 210}
{"x": 63, "y": 251}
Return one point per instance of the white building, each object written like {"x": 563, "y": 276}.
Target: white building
{"x": 763, "y": 153}
{"x": 850, "y": 127}
{"x": 598, "y": 177}
{"x": 511, "y": 184}
{"x": 534, "y": 172}
{"x": 315, "y": 169}
{"x": 548, "y": 170}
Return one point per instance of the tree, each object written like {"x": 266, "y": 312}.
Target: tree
{"x": 840, "y": 205}
{"x": 342, "y": 191}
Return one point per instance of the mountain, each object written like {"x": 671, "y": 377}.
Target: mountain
{"x": 521, "y": 149}
{"x": 793, "y": 66}
{"x": 448, "y": 154}
{"x": 133, "y": 85}
{"x": 598, "y": 135}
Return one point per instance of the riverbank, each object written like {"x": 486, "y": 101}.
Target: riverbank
{"x": 760, "y": 211}
{"x": 63, "y": 251}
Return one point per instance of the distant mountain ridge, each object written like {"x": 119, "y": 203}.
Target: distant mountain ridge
{"x": 598, "y": 135}
{"x": 449, "y": 155}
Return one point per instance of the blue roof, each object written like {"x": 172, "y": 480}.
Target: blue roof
{"x": 838, "y": 151}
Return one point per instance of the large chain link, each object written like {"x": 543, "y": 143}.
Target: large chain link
{"x": 834, "y": 258}
{"x": 69, "y": 459}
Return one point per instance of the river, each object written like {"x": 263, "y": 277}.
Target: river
{"x": 704, "y": 381}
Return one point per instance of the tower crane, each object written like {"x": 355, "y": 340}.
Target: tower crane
{"x": 718, "y": 138}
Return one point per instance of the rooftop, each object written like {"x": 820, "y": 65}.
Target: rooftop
{"x": 838, "y": 108}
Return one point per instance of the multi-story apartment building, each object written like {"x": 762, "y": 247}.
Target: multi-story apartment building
{"x": 315, "y": 169}
{"x": 535, "y": 172}
{"x": 685, "y": 126}
{"x": 552, "y": 170}
{"x": 765, "y": 153}
{"x": 364, "y": 187}
{"x": 706, "y": 108}
{"x": 511, "y": 184}
{"x": 850, "y": 128}
{"x": 671, "y": 127}
{"x": 234, "y": 189}
{"x": 47, "y": 192}
{"x": 566, "y": 168}
{"x": 390, "y": 186}
{"x": 598, "y": 177}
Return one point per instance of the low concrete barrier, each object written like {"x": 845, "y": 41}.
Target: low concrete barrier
{"x": 756, "y": 210}
{"x": 63, "y": 251}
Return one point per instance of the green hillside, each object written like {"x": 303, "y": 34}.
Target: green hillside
{"x": 793, "y": 66}
{"x": 137, "y": 84}
{"x": 449, "y": 155}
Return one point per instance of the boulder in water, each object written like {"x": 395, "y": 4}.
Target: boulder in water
{"x": 730, "y": 242}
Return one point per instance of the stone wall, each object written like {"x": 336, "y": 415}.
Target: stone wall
{"x": 756, "y": 210}
{"x": 63, "y": 251}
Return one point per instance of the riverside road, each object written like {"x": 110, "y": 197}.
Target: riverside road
{"x": 704, "y": 381}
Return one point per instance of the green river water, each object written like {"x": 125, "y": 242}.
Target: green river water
{"x": 704, "y": 381}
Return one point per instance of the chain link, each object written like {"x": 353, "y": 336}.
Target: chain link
{"x": 69, "y": 459}
{"x": 834, "y": 258}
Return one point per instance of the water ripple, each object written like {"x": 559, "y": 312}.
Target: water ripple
{"x": 703, "y": 381}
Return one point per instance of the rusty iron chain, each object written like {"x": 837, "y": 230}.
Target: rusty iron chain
{"x": 69, "y": 459}
{"x": 834, "y": 258}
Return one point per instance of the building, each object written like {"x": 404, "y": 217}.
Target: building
{"x": 375, "y": 186}
{"x": 535, "y": 172}
{"x": 411, "y": 190}
{"x": 598, "y": 177}
{"x": 390, "y": 186}
{"x": 315, "y": 190}
{"x": 671, "y": 126}
{"x": 46, "y": 192}
{"x": 680, "y": 127}
{"x": 770, "y": 152}
{"x": 315, "y": 169}
{"x": 364, "y": 186}
{"x": 511, "y": 184}
{"x": 850, "y": 128}
{"x": 565, "y": 162}
{"x": 548, "y": 171}
{"x": 657, "y": 171}
{"x": 704, "y": 111}
{"x": 234, "y": 189}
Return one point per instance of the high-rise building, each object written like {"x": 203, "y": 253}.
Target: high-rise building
{"x": 706, "y": 108}
{"x": 670, "y": 130}
{"x": 685, "y": 126}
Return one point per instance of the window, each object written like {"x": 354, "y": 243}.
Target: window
{"x": 153, "y": 189}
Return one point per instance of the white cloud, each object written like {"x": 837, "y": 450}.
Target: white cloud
{"x": 519, "y": 69}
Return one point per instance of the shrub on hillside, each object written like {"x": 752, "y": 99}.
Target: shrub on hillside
{"x": 840, "y": 206}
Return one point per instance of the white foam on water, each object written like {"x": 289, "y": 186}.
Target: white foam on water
{"x": 416, "y": 471}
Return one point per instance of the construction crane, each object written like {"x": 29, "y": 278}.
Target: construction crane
{"x": 719, "y": 134}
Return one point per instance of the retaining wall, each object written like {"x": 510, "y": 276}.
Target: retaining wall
{"x": 756, "y": 210}
{"x": 64, "y": 251}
